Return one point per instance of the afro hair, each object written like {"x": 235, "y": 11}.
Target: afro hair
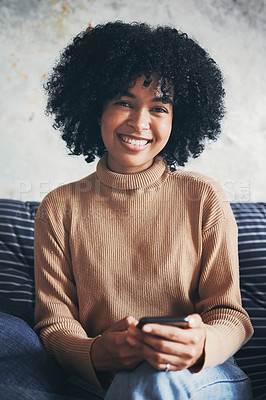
{"x": 102, "y": 61}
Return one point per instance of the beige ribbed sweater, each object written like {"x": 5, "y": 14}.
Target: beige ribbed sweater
{"x": 151, "y": 243}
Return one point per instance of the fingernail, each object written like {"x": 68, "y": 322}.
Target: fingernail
{"x": 147, "y": 328}
{"x": 192, "y": 322}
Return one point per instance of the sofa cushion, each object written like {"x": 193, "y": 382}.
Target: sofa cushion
{"x": 16, "y": 258}
{"x": 251, "y": 221}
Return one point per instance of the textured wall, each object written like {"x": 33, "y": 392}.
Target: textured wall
{"x": 33, "y": 158}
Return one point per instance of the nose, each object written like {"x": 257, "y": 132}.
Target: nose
{"x": 139, "y": 119}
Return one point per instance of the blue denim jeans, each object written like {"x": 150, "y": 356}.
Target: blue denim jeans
{"x": 223, "y": 382}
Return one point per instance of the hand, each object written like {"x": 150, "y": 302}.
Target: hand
{"x": 111, "y": 350}
{"x": 164, "y": 344}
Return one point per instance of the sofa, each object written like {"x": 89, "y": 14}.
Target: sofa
{"x": 17, "y": 276}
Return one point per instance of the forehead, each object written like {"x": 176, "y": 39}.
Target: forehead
{"x": 144, "y": 82}
{"x": 144, "y": 85}
{"x": 149, "y": 85}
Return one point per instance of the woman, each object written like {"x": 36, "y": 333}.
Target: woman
{"x": 138, "y": 237}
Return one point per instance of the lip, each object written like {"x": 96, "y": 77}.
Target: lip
{"x": 134, "y": 147}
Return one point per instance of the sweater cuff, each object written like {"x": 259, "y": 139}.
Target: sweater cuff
{"x": 211, "y": 356}
{"x": 214, "y": 350}
{"x": 82, "y": 363}
{"x": 93, "y": 378}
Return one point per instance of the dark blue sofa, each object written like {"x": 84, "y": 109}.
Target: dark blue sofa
{"x": 17, "y": 276}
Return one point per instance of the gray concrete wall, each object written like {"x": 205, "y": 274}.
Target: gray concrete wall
{"x": 33, "y": 158}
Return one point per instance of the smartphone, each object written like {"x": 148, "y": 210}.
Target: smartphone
{"x": 180, "y": 322}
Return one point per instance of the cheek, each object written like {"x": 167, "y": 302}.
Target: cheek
{"x": 107, "y": 138}
{"x": 106, "y": 125}
{"x": 110, "y": 121}
{"x": 105, "y": 132}
{"x": 165, "y": 129}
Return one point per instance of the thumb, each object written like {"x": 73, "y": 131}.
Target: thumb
{"x": 124, "y": 324}
{"x": 194, "y": 320}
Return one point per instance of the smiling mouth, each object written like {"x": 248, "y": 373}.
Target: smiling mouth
{"x": 135, "y": 142}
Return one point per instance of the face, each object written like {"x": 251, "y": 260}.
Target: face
{"x": 136, "y": 127}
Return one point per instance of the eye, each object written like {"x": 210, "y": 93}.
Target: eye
{"x": 123, "y": 103}
{"x": 160, "y": 110}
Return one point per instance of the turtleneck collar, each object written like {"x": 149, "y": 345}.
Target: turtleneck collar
{"x": 135, "y": 181}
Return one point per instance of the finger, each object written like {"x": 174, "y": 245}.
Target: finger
{"x": 127, "y": 355}
{"x": 138, "y": 339}
{"x": 159, "y": 360}
{"x": 172, "y": 333}
{"x": 157, "y": 345}
{"x": 159, "y": 353}
{"x": 124, "y": 324}
{"x": 185, "y": 346}
{"x": 189, "y": 350}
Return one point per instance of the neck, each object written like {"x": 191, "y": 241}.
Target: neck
{"x": 129, "y": 181}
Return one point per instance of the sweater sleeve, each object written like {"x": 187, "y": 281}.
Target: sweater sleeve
{"x": 228, "y": 325}
{"x": 56, "y": 310}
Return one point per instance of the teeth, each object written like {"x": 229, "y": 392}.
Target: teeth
{"x": 126, "y": 139}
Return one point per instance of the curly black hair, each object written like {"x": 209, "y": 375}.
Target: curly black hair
{"x": 102, "y": 61}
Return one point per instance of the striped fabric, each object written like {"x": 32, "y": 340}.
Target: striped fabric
{"x": 17, "y": 275}
{"x": 16, "y": 258}
{"x": 251, "y": 221}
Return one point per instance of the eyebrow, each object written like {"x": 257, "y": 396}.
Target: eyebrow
{"x": 155, "y": 99}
